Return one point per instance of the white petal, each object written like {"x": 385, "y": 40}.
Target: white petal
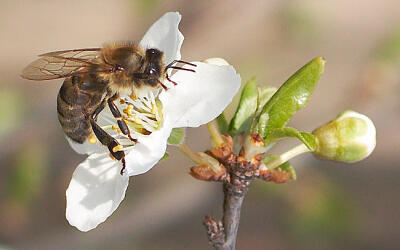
{"x": 86, "y": 147}
{"x": 201, "y": 96}
{"x": 165, "y": 36}
{"x": 148, "y": 151}
{"x": 216, "y": 61}
{"x": 95, "y": 191}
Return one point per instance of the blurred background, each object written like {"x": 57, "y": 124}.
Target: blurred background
{"x": 330, "y": 206}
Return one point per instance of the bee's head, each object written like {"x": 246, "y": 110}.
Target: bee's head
{"x": 155, "y": 63}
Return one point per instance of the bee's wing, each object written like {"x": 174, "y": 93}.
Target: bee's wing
{"x": 62, "y": 64}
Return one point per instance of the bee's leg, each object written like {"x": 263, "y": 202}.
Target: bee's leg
{"x": 112, "y": 144}
{"x": 99, "y": 109}
{"x": 121, "y": 123}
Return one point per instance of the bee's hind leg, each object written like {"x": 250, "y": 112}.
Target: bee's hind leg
{"x": 117, "y": 115}
{"x": 112, "y": 144}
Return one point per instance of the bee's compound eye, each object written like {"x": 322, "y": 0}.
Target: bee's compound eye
{"x": 152, "y": 71}
{"x": 152, "y": 51}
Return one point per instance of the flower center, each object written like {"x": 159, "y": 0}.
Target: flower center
{"x": 143, "y": 115}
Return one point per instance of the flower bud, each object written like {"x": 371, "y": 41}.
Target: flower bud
{"x": 350, "y": 137}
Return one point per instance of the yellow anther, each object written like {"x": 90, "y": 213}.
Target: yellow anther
{"x": 133, "y": 96}
{"x": 119, "y": 131}
{"x": 92, "y": 139}
{"x": 117, "y": 148}
{"x": 137, "y": 120}
{"x": 114, "y": 127}
{"x": 128, "y": 109}
{"x": 122, "y": 101}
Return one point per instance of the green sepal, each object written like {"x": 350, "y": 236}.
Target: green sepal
{"x": 288, "y": 132}
{"x": 177, "y": 136}
{"x": 292, "y": 96}
{"x": 246, "y": 108}
{"x": 222, "y": 124}
{"x": 286, "y": 166}
{"x": 165, "y": 156}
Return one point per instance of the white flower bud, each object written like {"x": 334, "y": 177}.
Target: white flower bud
{"x": 350, "y": 137}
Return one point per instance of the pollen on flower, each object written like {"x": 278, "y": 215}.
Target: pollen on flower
{"x": 128, "y": 110}
{"x": 117, "y": 148}
{"x": 143, "y": 115}
{"x": 133, "y": 96}
{"x": 111, "y": 156}
{"x": 137, "y": 120}
{"x": 92, "y": 139}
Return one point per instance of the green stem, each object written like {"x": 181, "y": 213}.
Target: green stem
{"x": 298, "y": 150}
{"x": 189, "y": 153}
{"x": 215, "y": 134}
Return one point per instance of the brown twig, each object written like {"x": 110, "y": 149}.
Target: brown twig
{"x": 231, "y": 218}
{"x": 236, "y": 173}
{"x": 222, "y": 235}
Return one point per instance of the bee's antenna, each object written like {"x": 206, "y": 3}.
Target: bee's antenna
{"x": 162, "y": 85}
{"x": 169, "y": 66}
{"x": 184, "y": 62}
{"x": 175, "y": 83}
{"x": 180, "y": 68}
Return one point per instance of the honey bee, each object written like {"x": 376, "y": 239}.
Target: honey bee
{"x": 94, "y": 78}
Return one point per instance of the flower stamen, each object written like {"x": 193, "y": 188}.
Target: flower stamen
{"x": 142, "y": 115}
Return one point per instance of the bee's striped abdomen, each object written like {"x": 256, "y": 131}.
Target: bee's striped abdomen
{"x": 76, "y": 101}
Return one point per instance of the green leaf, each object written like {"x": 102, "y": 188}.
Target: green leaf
{"x": 292, "y": 96}
{"x": 264, "y": 94}
{"x": 288, "y": 132}
{"x": 284, "y": 166}
{"x": 222, "y": 123}
{"x": 246, "y": 108}
{"x": 177, "y": 136}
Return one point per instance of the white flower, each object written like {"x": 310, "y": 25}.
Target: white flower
{"x": 97, "y": 187}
